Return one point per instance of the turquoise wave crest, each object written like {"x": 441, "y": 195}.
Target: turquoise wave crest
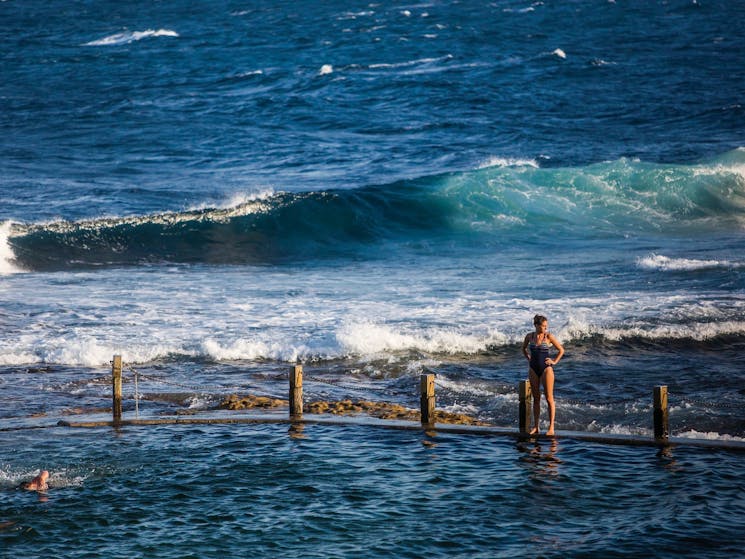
{"x": 502, "y": 201}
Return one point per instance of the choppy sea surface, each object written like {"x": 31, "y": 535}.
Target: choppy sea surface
{"x": 182, "y": 491}
{"x": 218, "y": 190}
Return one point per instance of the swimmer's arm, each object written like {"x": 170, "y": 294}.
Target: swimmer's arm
{"x": 559, "y": 348}
{"x": 526, "y": 341}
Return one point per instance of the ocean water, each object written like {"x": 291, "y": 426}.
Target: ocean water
{"x": 216, "y": 191}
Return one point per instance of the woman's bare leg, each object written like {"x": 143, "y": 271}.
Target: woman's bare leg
{"x": 535, "y": 390}
{"x": 548, "y": 389}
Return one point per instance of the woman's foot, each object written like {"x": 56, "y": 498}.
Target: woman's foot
{"x": 534, "y": 431}
{"x": 550, "y": 432}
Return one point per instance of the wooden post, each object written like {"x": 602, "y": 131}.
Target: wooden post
{"x": 525, "y": 396}
{"x": 296, "y": 391}
{"x": 116, "y": 375}
{"x": 427, "y": 389}
{"x": 661, "y": 426}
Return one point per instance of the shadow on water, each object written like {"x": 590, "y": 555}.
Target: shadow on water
{"x": 540, "y": 457}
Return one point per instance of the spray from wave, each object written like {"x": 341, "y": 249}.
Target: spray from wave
{"x": 6, "y": 252}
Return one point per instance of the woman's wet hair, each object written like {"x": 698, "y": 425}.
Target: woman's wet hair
{"x": 539, "y": 319}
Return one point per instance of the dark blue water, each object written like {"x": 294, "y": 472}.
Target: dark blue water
{"x": 218, "y": 190}
{"x": 355, "y": 491}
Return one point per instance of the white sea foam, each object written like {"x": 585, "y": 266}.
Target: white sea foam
{"x": 88, "y": 348}
{"x": 261, "y": 314}
{"x": 240, "y": 201}
{"x": 253, "y": 349}
{"x": 710, "y": 436}
{"x": 519, "y": 11}
{"x": 67, "y": 478}
{"x": 250, "y": 73}
{"x": 198, "y": 402}
{"x": 464, "y": 387}
{"x": 467, "y": 409}
{"x": 355, "y": 15}
{"x": 696, "y": 331}
{"x": 88, "y": 352}
{"x": 130, "y": 36}
{"x": 584, "y": 406}
{"x": 237, "y": 206}
{"x": 409, "y": 63}
{"x": 163, "y": 332}
{"x": 664, "y": 263}
{"x": 6, "y": 252}
{"x": 370, "y": 345}
{"x": 15, "y": 357}
{"x": 368, "y": 338}
{"x": 325, "y": 70}
{"x": 559, "y": 52}
{"x": 510, "y": 220}
{"x": 496, "y": 161}
{"x": 12, "y": 477}
{"x": 367, "y": 341}
{"x": 737, "y": 169}
{"x": 616, "y": 429}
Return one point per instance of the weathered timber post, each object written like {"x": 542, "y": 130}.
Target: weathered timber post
{"x": 296, "y": 391}
{"x": 116, "y": 377}
{"x": 427, "y": 389}
{"x": 661, "y": 426}
{"x": 525, "y": 396}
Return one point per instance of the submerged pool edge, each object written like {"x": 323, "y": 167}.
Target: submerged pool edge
{"x": 366, "y": 421}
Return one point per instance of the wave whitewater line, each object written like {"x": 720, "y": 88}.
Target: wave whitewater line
{"x": 507, "y": 199}
{"x": 371, "y": 343}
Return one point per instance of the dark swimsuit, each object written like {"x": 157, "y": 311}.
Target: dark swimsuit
{"x": 539, "y": 354}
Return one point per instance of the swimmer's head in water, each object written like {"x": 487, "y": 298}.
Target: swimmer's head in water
{"x": 39, "y": 483}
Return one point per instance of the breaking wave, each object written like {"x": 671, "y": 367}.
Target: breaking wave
{"x": 505, "y": 200}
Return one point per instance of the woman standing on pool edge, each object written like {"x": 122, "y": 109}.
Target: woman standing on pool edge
{"x": 541, "y": 370}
